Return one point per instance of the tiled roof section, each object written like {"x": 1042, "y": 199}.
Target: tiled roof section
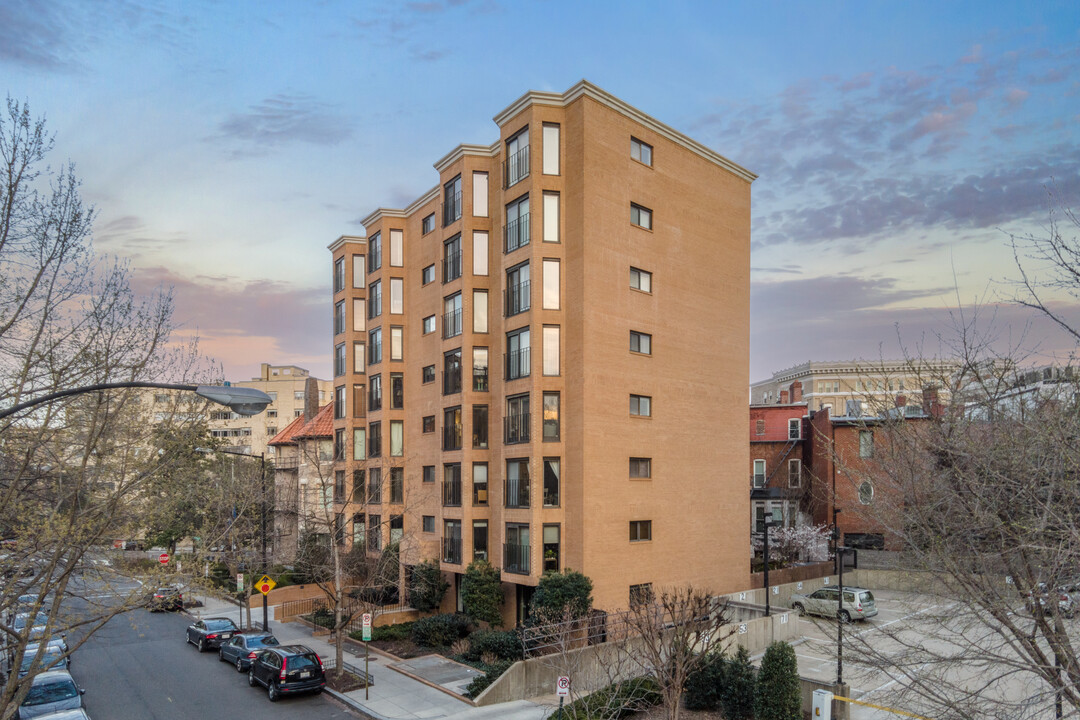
{"x": 287, "y": 435}
{"x": 322, "y": 425}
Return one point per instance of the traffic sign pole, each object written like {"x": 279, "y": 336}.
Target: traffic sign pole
{"x": 366, "y": 628}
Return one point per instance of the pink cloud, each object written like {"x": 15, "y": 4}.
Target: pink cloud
{"x": 974, "y": 56}
{"x": 1015, "y": 97}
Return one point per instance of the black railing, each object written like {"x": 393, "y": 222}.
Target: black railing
{"x": 516, "y": 427}
{"x": 517, "y": 492}
{"x": 292, "y": 463}
{"x": 451, "y": 437}
{"x": 374, "y": 446}
{"x": 516, "y": 559}
{"x": 375, "y": 400}
{"x": 517, "y": 298}
{"x": 451, "y": 381}
{"x": 480, "y": 379}
{"x": 516, "y": 233}
{"x": 451, "y": 267}
{"x": 451, "y": 324}
{"x": 451, "y": 208}
{"x": 451, "y": 493}
{"x": 374, "y": 494}
{"x": 516, "y": 167}
{"x": 518, "y": 364}
{"x": 451, "y": 550}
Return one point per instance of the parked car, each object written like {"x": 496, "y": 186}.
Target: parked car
{"x": 243, "y": 648}
{"x": 77, "y": 714}
{"x": 211, "y": 632}
{"x": 37, "y": 623}
{"x": 858, "y": 603}
{"x": 287, "y": 670}
{"x": 1042, "y": 596}
{"x": 53, "y": 658}
{"x": 168, "y": 597}
{"x": 50, "y": 692}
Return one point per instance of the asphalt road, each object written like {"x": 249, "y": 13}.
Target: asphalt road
{"x": 138, "y": 667}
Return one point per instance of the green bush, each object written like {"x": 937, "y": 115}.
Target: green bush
{"x": 401, "y": 631}
{"x": 427, "y": 586}
{"x": 322, "y": 617}
{"x": 779, "y": 694}
{"x": 481, "y": 592}
{"x": 505, "y": 645}
{"x": 558, "y": 592}
{"x": 491, "y": 674}
{"x": 738, "y": 686}
{"x": 439, "y": 630}
{"x": 616, "y": 701}
{"x": 703, "y": 685}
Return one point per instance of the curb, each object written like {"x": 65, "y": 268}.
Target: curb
{"x": 348, "y": 701}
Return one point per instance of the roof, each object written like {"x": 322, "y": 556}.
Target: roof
{"x": 285, "y": 436}
{"x": 322, "y": 425}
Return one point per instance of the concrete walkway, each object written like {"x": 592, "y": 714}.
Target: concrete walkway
{"x": 394, "y": 695}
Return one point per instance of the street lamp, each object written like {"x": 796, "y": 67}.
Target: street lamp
{"x": 241, "y": 400}
{"x": 775, "y": 521}
{"x": 840, "y": 550}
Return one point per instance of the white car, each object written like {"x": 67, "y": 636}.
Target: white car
{"x": 858, "y": 603}
{"x": 51, "y": 692}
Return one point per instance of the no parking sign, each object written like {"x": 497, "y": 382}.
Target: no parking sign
{"x": 562, "y": 688}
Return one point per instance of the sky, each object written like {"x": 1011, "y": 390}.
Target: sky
{"x": 898, "y": 145}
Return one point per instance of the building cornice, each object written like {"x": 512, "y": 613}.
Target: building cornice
{"x": 464, "y": 149}
{"x": 381, "y": 213}
{"x": 587, "y": 89}
{"x": 345, "y": 240}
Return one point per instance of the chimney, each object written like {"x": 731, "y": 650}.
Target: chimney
{"x": 796, "y": 391}
{"x": 929, "y": 399}
{"x": 311, "y": 399}
{"x": 901, "y": 400}
{"x": 783, "y": 397}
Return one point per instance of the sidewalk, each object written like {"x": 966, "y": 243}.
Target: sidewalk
{"x": 394, "y": 695}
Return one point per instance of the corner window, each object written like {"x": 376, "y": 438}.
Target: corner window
{"x": 517, "y": 289}
{"x": 452, "y": 259}
{"x": 429, "y": 324}
{"x": 518, "y": 356}
{"x": 516, "y": 166}
{"x": 640, "y": 151}
{"x": 375, "y": 299}
{"x": 339, "y": 317}
{"x": 339, "y": 407}
{"x": 640, "y": 280}
{"x": 375, "y": 346}
{"x": 641, "y": 467}
{"x": 339, "y": 275}
{"x": 517, "y": 419}
{"x": 452, "y": 316}
{"x": 641, "y": 405}
{"x": 374, "y": 252}
{"x": 640, "y": 530}
{"x": 452, "y": 201}
{"x": 641, "y": 216}
{"x": 517, "y": 484}
{"x": 427, "y": 275}
{"x": 517, "y": 224}
{"x": 339, "y": 360}
{"x": 640, "y": 343}
{"x": 427, "y": 224}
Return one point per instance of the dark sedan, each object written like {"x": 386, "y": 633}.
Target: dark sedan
{"x": 287, "y": 670}
{"x": 243, "y": 648}
{"x": 209, "y": 633}
{"x": 166, "y": 598}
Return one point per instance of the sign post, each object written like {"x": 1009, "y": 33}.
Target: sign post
{"x": 366, "y": 628}
{"x": 562, "y": 689}
{"x": 264, "y": 585}
{"x": 239, "y": 582}
{"x": 163, "y": 558}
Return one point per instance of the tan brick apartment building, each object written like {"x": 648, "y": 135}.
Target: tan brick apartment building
{"x": 538, "y": 362}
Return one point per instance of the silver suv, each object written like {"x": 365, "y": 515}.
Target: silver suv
{"x": 858, "y": 603}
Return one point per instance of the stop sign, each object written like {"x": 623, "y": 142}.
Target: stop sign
{"x": 163, "y": 558}
{"x": 264, "y": 588}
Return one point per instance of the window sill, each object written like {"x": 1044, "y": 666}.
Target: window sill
{"x": 641, "y": 354}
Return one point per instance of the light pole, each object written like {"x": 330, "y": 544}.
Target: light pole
{"x": 775, "y": 521}
{"x": 840, "y": 550}
{"x": 241, "y": 400}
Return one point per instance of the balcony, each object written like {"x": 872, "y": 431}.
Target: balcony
{"x": 516, "y": 559}
{"x": 451, "y": 208}
{"x": 518, "y": 363}
{"x": 451, "y": 324}
{"x": 451, "y": 266}
{"x": 516, "y": 428}
{"x": 451, "y": 493}
{"x": 289, "y": 463}
{"x": 517, "y": 492}
{"x": 516, "y": 167}
{"x": 517, "y": 298}
{"x": 451, "y": 550}
{"x": 451, "y": 437}
{"x": 516, "y": 233}
{"x": 451, "y": 381}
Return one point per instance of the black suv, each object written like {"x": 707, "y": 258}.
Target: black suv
{"x": 287, "y": 670}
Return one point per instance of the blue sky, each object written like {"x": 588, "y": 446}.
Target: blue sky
{"x": 226, "y": 144}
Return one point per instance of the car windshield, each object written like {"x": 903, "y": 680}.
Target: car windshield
{"x": 264, "y": 641}
{"x": 866, "y": 596}
{"x": 51, "y": 654}
{"x": 303, "y": 662}
{"x": 53, "y": 691}
{"x": 22, "y": 620}
{"x": 220, "y": 625}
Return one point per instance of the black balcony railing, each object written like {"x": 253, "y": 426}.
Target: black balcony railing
{"x": 451, "y": 437}
{"x": 516, "y": 233}
{"x": 516, "y": 167}
{"x": 451, "y": 208}
{"x": 516, "y": 428}
{"x": 451, "y": 381}
{"x": 516, "y": 559}
{"x": 517, "y": 298}
{"x": 451, "y": 550}
{"x": 292, "y": 463}
{"x": 518, "y": 363}
{"x": 517, "y": 492}
{"x": 451, "y": 493}
{"x": 451, "y": 267}
{"x": 480, "y": 379}
{"x": 451, "y": 324}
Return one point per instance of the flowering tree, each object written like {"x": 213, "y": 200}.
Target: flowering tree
{"x": 802, "y": 543}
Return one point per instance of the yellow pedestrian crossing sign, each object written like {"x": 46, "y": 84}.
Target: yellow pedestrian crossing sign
{"x": 265, "y": 584}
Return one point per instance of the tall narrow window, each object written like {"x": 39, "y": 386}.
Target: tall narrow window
{"x": 551, "y": 416}
{"x": 518, "y": 357}
{"x": 551, "y": 350}
{"x": 480, "y": 426}
{"x": 551, "y": 285}
{"x": 452, "y": 259}
{"x": 452, "y": 201}
{"x": 339, "y": 317}
{"x": 374, "y": 252}
{"x": 452, "y": 428}
{"x": 516, "y": 167}
{"x": 551, "y": 217}
{"x": 480, "y": 483}
{"x": 452, "y": 372}
{"x": 794, "y": 473}
{"x": 428, "y": 224}
{"x": 480, "y": 194}
{"x": 517, "y": 224}
{"x": 452, "y": 316}
{"x": 374, "y": 444}
{"x": 359, "y": 444}
{"x": 480, "y": 539}
{"x": 397, "y": 248}
{"x": 397, "y": 296}
{"x": 339, "y": 275}
{"x": 397, "y": 391}
{"x": 359, "y": 349}
{"x": 397, "y": 438}
{"x": 516, "y": 551}
{"x": 551, "y": 548}
{"x": 794, "y": 429}
{"x": 517, "y": 289}
{"x": 397, "y": 341}
{"x": 517, "y": 420}
{"x": 358, "y": 272}
{"x": 428, "y": 325}
{"x": 551, "y": 482}
{"x": 375, "y": 392}
{"x": 517, "y": 483}
{"x": 339, "y": 360}
{"x": 866, "y": 443}
{"x": 375, "y": 298}
{"x": 551, "y": 149}
{"x": 375, "y": 346}
{"x": 359, "y": 315}
{"x": 480, "y": 311}
{"x": 339, "y": 402}
{"x": 359, "y": 401}
{"x": 480, "y": 369}
{"x": 374, "y": 485}
{"x": 759, "y": 473}
{"x": 480, "y": 252}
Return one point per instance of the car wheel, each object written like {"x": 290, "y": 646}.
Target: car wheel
{"x": 845, "y": 616}
{"x": 272, "y": 692}
{"x": 221, "y": 655}
{"x": 799, "y": 609}
{"x": 239, "y": 665}
{"x": 251, "y": 677}
{"x": 201, "y": 645}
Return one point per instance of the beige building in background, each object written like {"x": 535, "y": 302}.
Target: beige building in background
{"x": 285, "y": 386}
{"x": 540, "y": 362}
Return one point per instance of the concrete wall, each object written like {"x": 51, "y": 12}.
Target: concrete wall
{"x": 277, "y": 596}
